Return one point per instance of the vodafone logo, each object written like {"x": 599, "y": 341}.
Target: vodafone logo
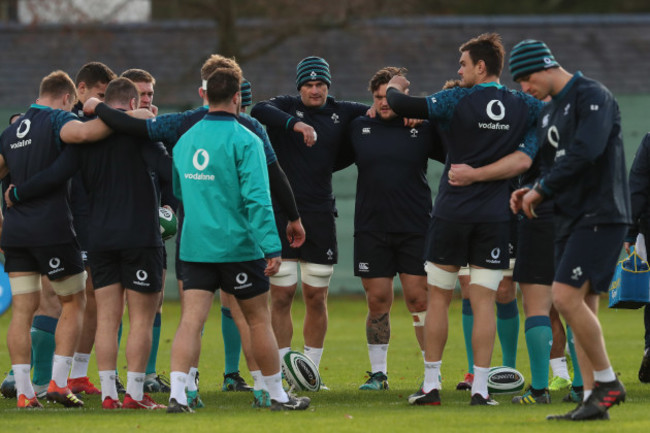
{"x": 500, "y": 114}
{"x": 141, "y": 275}
{"x": 241, "y": 278}
{"x": 553, "y": 136}
{"x": 55, "y": 262}
{"x": 23, "y": 128}
{"x": 495, "y": 253}
{"x": 199, "y": 155}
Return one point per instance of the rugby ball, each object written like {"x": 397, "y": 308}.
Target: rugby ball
{"x": 168, "y": 223}
{"x": 505, "y": 380}
{"x": 300, "y": 372}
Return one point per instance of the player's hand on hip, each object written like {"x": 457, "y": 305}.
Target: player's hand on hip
{"x": 272, "y": 266}
{"x": 308, "y": 133}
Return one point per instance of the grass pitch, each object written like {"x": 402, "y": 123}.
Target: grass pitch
{"x": 344, "y": 408}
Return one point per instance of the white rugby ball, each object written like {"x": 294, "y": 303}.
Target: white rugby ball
{"x": 505, "y": 380}
{"x": 300, "y": 372}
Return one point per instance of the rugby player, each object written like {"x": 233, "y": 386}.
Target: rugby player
{"x": 639, "y": 187}
{"x": 583, "y": 171}
{"x": 391, "y": 217}
{"x": 39, "y": 238}
{"x": 306, "y": 132}
{"x": 145, "y": 83}
{"x": 91, "y": 80}
{"x": 480, "y": 122}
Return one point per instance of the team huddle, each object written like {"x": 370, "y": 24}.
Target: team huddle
{"x": 533, "y": 191}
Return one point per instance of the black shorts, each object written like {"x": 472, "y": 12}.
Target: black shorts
{"x": 244, "y": 280}
{"x": 138, "y": 269}
{"x": 535, "y": 257}
{"x": 480, "y": 244}
{"x": 55, "y": 261}
{"x": 320, "y": 245}
{"x": 589, "y": 253}
{"x": 378, "y": 255}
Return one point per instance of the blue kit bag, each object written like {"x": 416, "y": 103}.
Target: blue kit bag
{"x": 630, "y": 287}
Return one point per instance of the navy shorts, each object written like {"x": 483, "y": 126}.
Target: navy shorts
{"x": 320, "y": 245}
{"x": 55, "y": 261}
{"x": 589, "y": 254}
{"x": 378, "y": 255}
{"x": 138, "y": 269}
{"x": 535, "y": 257}
{"x": 244, "y": 280}
{"x": 479, "y": 244}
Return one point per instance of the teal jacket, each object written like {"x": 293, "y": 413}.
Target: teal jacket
{"x": 220, "y": 176}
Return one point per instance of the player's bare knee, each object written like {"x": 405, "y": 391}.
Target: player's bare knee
{"x": 378, "y": 305}
{"x": 315, "y": 298}
{"x": 416, "y": 304}
{"x": 316, "y": 275}
{"x": 440, "y": 278}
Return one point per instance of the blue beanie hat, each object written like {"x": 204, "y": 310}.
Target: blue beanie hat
{"x": 530, "y": 56}
{"x": 313, "y": 68}
{"x": 246, "y": 93}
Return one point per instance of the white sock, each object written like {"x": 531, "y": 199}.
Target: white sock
{"x": 606, "y": 375}
{"x": 479, "y": 386}
{"x": 431, "y": 375}
{"x": 283, "y": 351}
{"x": 586, "y": 395}
{"x": 274, "y": 387}
{"x": 135, "y": 385}
{"x": 23, "y": 380}
{"x": 107, "y": 383}
{"x": 258, "y": 380}
{"x": 80, "y": 363}
{"x": 178, "y": 381}
{"x": 378, "y": 354}
{"x": 190, "y": 384}
{"x": 560, "y": 368}
{"x": 61, "y": 369}
{"x": 315, "y": 354}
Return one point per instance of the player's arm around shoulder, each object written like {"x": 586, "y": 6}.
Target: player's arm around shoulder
{"x": 76, "y": 131}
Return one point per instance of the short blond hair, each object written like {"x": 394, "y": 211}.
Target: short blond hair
{"x": 57, "y": 84}
{"x": 217, "y": 61}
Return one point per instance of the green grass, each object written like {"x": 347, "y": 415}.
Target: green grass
{"x": 344, "y": 408}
